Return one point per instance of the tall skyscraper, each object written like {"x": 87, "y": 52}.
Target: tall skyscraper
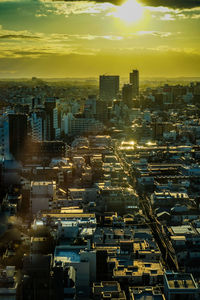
{"x": 108, "y": 87}
{"x": 102, "y": 111}
{"x": 127, "y": 94}
{"x": 38, "y": 125}
{"x": 17, "y": 132}
{"x": 134, "y": 80}
{"x": 52, "y": 119}
{"x": 90, "y": 106}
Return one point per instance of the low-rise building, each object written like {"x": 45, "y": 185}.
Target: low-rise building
{"x": 142, "y": 293}
{"x": 83, "y": 262}
{"x": 108, "y": 290}
{"x": 42, "y": 194}
{"x": 8, "y": 284}
{"x": 180, "y": 286}
{"x": 139, "y": 272}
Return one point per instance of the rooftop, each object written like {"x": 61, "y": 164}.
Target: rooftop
{"x": 42, "y": 183}
{"x": 59, "y": 214}
{"x": 146, "y": 293}
{"x": 138, "y": 268}
{"x": 180, "y": 281}
{"x": 66, "y": 255}
{"x": 183, "y": 230}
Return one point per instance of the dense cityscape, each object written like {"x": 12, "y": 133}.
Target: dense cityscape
{"x": 100, "y": 190}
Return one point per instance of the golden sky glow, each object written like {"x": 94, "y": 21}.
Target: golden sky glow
{"x": 47, "y": 38}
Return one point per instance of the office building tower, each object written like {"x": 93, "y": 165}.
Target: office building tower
{"x": 52, "y": 119}
{"x": 36, "y": 101}
{"x": 38, "y": 125}
{"x": 17, "y": 133}
{"x": 108, "y": 87}
{"x": 90, "y": 106}
{"x": 101, "y": 111}
{"x": 4, "y": 137}
{"x": 127, "y": 94}
{"x": 134, "y": 80}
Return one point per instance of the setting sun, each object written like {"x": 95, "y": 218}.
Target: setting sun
{"x": 130, "y": 11}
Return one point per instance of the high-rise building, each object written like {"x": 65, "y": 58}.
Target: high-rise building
{"x": 127, "y": 94}
{"x": 4, "y": 137}
{"x": 101, "y": 111}
{"x": 108, "y": 87}
{"x": 38, "y": 125}
{"x": 90, "y": 106}
{"x": 52, "y": 119}
{"x": 17, "y": 133}
{"x": 134, "y": 80}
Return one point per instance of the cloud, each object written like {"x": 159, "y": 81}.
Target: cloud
{"x": 169, "y": 10}
{"x": 163, "y": 49}
{"x": 168, "y": 17}
{"x": 195, "y": 16}
{"x": 156, "y": 3}
{"x": 179, "y": 4}
{"x": 48, "y": 45}
{"x": 171, "y": 14}
{"x": 155, "y": 33}
{"x": 90, "y": 37}
{"x": 40, "y": 15}
{"x": 16, "y": 35}
{"x": 67, "y": 8}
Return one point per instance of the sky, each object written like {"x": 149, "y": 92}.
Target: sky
{"x": 52, "y": 38}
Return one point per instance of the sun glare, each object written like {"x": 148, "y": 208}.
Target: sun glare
{"x": 130, "y": 11}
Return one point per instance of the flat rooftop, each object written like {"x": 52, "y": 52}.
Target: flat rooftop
{"x": 183, "y": 230}
{"x": 109, "y": 286}
{"x": 180, "y": 281}
{"x": 41, "y": 183}
{"x": 178, "y": 238}
{"x": 67, "y": 256}
{"x": 138, "y": 268}
{"x": 69, "y": 215}
{"x": 147, "y": 293}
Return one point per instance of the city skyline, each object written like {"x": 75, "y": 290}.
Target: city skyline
{"x": 46, "y": 38}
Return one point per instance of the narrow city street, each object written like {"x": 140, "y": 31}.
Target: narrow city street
{"x": 168, "y": 254}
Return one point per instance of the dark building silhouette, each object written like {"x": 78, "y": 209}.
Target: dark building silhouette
{"x": 127, "y": 94}
{"x": 45, "y": 150}
{"x": 51, "y": 118}
{"x": 102, "y": 266}
{"x": 134, "y": 80}
{"x": 108, "y": 87}
{"x": 101, "y": 111}
{"x": 17, "y": 134}
{"x": 36, "y": 277}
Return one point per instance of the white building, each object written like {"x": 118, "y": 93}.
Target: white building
{"x": 83, "y": 262}
{"x": 38, "y": 127}
{"x": 55, "y": 123}
{"x": 76, "y": 126}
